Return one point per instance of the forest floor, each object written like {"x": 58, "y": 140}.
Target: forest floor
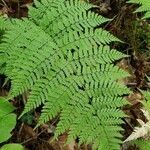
{"x": 127, "y": 26}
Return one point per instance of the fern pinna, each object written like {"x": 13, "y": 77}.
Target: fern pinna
{"x": 66, "y": 62}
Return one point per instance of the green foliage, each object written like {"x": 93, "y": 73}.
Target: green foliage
{"x": 141, "y": 34}
{"x": 142, "y": 144}
{"x": 7, "y": 119}
{"x": 12, "y": 146}
{"x": 66, "y": 62}
{"x": 146, "y": 101}
{"x": 144, "y": 7}
{"x": 3, "y": 25}
{"x": 27, "y": 118}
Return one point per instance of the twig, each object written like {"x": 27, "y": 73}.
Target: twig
{"x": 34, "y": 137}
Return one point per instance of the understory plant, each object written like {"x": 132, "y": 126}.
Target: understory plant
{"x": 7, "y": 119}
{"x": 141, "y": 135}
{"x": 144, "y": 7}
{"x": 12, "y": 146}
{"x": 63, "y": 58}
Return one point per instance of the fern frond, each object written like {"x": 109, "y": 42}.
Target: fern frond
{"x": 66, "y": 62}
{"x": 144, "y": 7}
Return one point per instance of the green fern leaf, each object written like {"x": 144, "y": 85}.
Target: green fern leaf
{"x": 60, "y": 55}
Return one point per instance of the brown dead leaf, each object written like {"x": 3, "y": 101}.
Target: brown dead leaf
{"x": 130, "y": 80}
{"x": 28, "y": 132}
{"x": 60, "y": 143}
{"x": 124, "y": 64}
{"x": 72, "y": 146}
{"x": 134, "y": 98}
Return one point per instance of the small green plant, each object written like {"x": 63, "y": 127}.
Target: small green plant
{"x": 142, "y": 28}
{"x": 143, "y": 144}
{"x": 27, "y": 118}
{"x": 140, "y": 136}
{"x": 60, "y": 55}
{"x": 12, "y": 146}
{"x": 7, "y": 120}
{"x": 142, "y": 132}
